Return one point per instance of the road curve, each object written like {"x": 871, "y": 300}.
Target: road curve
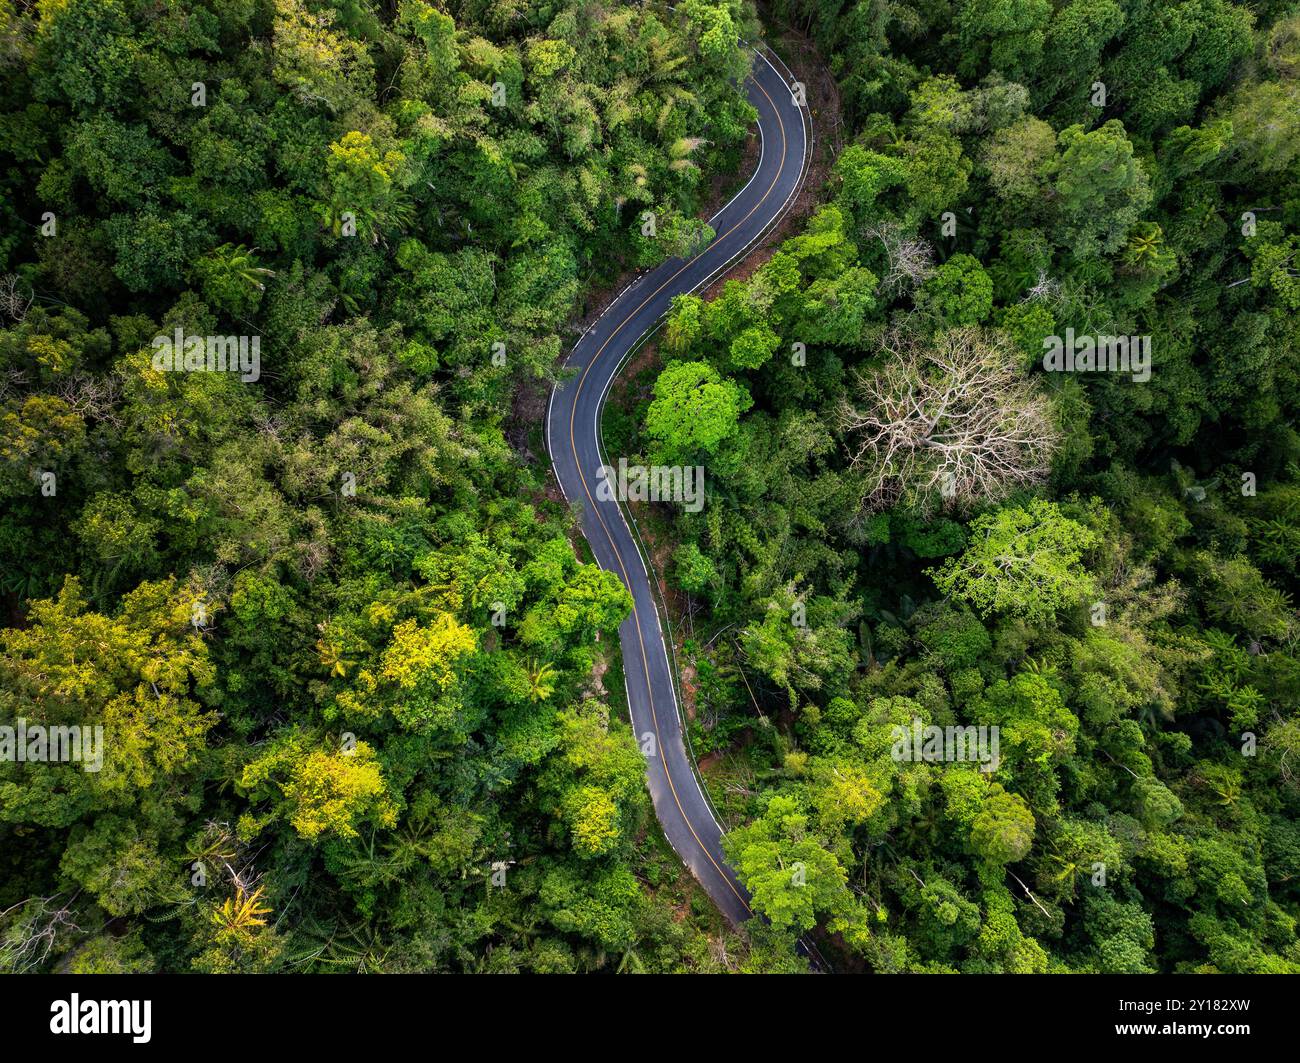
{"x": 573, "y": 439}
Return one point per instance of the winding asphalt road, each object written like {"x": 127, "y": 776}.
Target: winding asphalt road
{"x": 574, "y": 441}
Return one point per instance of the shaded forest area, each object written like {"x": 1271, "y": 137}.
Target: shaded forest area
{"x": 338, "y": 639}
{"x": 345, "y": 658}
{"x": 921, "y": 513}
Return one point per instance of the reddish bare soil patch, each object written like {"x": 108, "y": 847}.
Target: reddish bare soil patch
{"x": 688, "y": 690}
{"x": 598, "y": 671}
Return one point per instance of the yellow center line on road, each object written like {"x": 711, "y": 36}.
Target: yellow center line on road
{"x": 645, "y": 663}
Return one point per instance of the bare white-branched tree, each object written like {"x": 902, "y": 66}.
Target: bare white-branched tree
{"x": 1044, "y": 288}
{"x": 31, "y": 928}
{"x": 950, "y": 422}
{"x": 15, "y": 296}
{"x": 94, "y": 397}
{"x": 910, "y": 259}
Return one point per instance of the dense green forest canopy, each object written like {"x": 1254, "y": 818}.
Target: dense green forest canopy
{"x": 337, "y": 635}
{"x": 916, "y": 519}
{"x": 345, "y": 646}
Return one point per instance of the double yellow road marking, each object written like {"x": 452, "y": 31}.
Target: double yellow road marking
{"x": 645, "y": 664}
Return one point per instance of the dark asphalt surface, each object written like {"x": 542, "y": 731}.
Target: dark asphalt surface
{"x": 573, "y": 438}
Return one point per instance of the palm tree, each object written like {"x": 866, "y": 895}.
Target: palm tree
{"x": 541, "y": 681}
{"x": 239, "y": 915}
{"x": 1066, "y": 874}
{"x": 1144, "y": 244}
{"x": 237, "y": 262}
{"x": 357, "y": 948}
{"x": 332, "y": 655}
{"x": 1039, "y": 666}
